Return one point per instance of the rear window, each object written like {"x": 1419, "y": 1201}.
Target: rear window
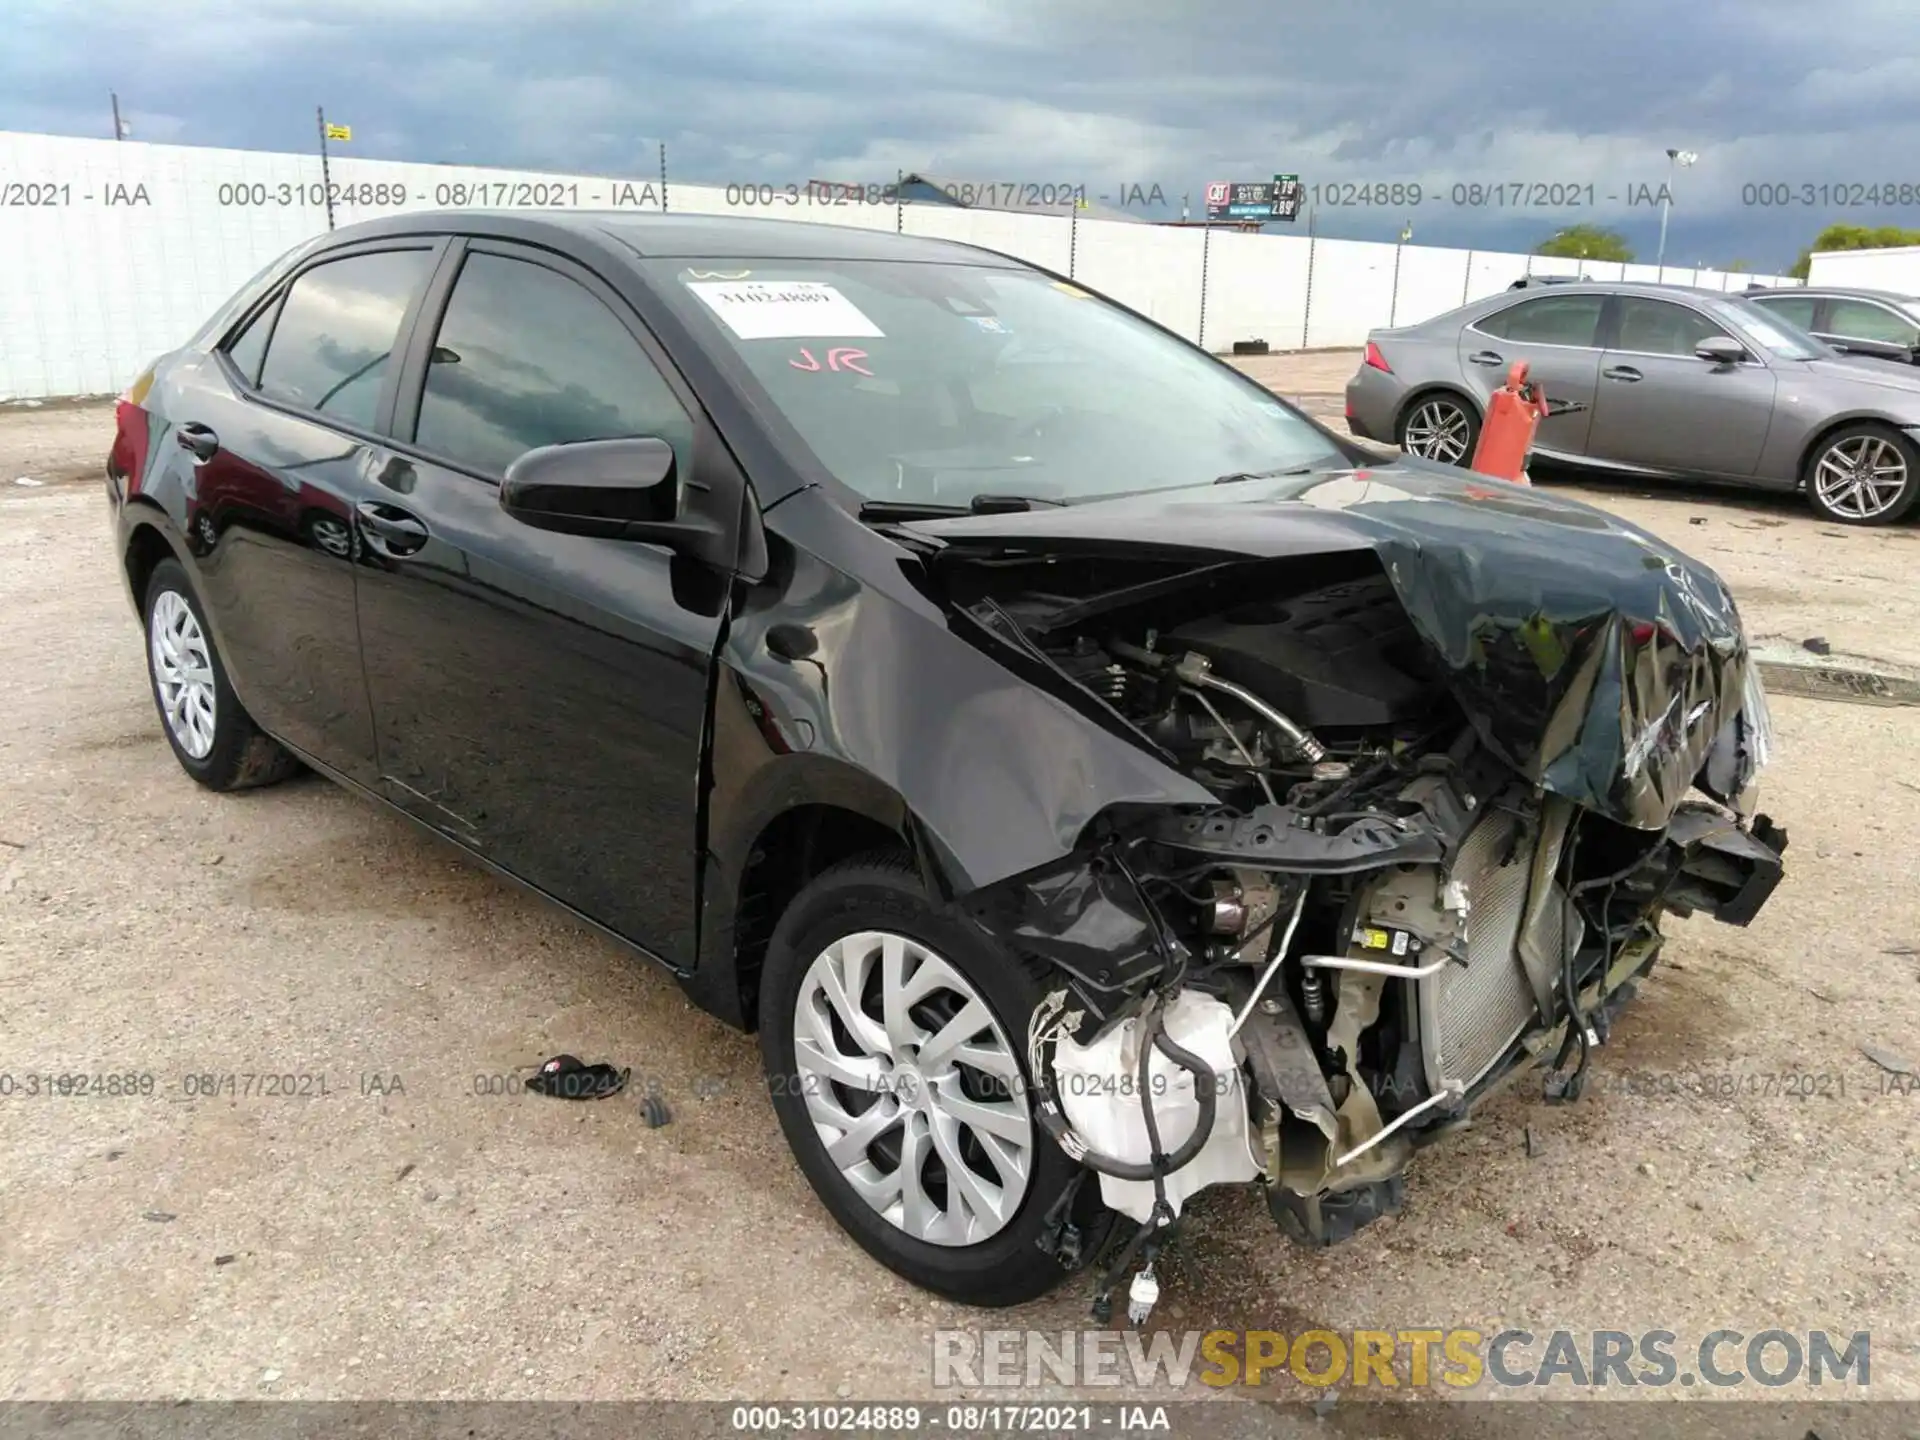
{"x": 337, "y": 329}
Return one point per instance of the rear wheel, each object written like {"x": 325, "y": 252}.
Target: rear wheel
{"x": 1440, "y": 427}
{"x": 888, "y": 1031}
{"x": 1864, "y": 475}
{"x": 213, "y": 738}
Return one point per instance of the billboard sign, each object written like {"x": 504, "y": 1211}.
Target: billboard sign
{"x": 1277, "y": 199}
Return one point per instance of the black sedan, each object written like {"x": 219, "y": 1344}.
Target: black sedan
{"x": 1078, "y": 765}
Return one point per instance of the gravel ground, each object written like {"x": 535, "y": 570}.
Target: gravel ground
{"x": 402, "y": 1236}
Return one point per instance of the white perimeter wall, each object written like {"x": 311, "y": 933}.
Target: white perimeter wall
{"x": 141, "y": 243}
{"x": 1895, "y": 269}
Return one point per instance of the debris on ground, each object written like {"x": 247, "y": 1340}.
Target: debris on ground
{"x": 225, "y": 1259}
{"x": 1817, "y": 644}
{"x": 1534, "y": 1147}
{"x": 567, "y": 1077}
{"x": 654, "y": 1111}
{"x": 1890, "y": 1062}
{"x": 159, "y": 1217}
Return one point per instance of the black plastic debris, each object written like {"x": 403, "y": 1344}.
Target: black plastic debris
{"x": 654, "y": 1111}
{"x": 566, "y": 1077}
{"x": 1817, "y": 644}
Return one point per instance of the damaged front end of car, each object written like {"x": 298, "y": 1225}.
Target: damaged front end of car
{"x": 1468, "y": 747}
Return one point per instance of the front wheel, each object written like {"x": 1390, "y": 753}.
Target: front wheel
{"x": 1864, "y": 475}
{"x": 1440, "y": 427}
{"x": 887, "y": 1029}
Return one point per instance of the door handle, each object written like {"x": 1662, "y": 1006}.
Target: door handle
{"x": 197, "y": 440}
{"x": 1623, "y": 372}
{"x": 389, "y": 529}
{"x": 1484, "y": 357}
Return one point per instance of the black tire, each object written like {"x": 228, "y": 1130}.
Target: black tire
{"x": 1415, "y": 416}
{"x": 1881, "y": 443}
{"x": 241, "y": 755}
{"x": 881, "y": 892}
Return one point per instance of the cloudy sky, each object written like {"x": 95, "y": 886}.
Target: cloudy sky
{"x": 1104, "y": 93}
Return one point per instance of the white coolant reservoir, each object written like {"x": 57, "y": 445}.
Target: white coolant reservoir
{"x": 1099, "y": 1087}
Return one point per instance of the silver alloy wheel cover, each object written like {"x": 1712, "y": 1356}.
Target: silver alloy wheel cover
{"x": 1861, "y": 477}
{"x": 911, "y": 1070}
{"x": 1438, "y": 430}
{"x": 182, "y": 673}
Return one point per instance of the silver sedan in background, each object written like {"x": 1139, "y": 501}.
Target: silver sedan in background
{"x": 1675, "y": 382}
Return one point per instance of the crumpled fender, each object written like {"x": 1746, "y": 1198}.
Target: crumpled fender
{"x": 999, "y": 774}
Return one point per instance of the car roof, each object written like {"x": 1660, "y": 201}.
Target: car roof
{"x": 653, "y": 235}
{"x": 1632, "y": 287}
{"x": 1844, "y": 292}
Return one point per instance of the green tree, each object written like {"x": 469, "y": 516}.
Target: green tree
{"x": 1586, "y": 242}
{"x": 1853, "y": 237}
{"x": 1739, "y": 267}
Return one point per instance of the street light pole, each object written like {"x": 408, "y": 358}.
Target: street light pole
{"x": 1674, "y": 157}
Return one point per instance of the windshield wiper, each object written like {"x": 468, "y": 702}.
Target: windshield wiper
{"x": 983, "y": 504}
{"x": 1237, "y": 476}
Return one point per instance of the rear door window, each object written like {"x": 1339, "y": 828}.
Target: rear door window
{"x": 334, "y": 342}
{"x": 1550, "y": 320}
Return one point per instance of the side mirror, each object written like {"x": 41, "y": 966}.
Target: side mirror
{"x": 1721, "y": 350}
{"x": 613, "y": 490}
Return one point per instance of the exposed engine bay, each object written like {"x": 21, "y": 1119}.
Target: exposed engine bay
{"x": 1382, "y": 917}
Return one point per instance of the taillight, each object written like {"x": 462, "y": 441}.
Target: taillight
{"x": 1375, "y": 359}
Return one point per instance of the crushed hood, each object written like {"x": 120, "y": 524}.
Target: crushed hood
{"x": 1598, "y": 661}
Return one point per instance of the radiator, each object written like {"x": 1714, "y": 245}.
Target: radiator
{"x": 1470, "y": 1014}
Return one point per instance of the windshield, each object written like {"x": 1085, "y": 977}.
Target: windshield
{"x": 932, "y": 384}
{"x": 1768, "y": 329}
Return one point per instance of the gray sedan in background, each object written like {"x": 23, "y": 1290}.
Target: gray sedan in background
{"x": 1880, "y": 323}
{"x": 1675, "y": 382}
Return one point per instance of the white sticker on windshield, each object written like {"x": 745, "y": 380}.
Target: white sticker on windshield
{"x": 783, "y": 309}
